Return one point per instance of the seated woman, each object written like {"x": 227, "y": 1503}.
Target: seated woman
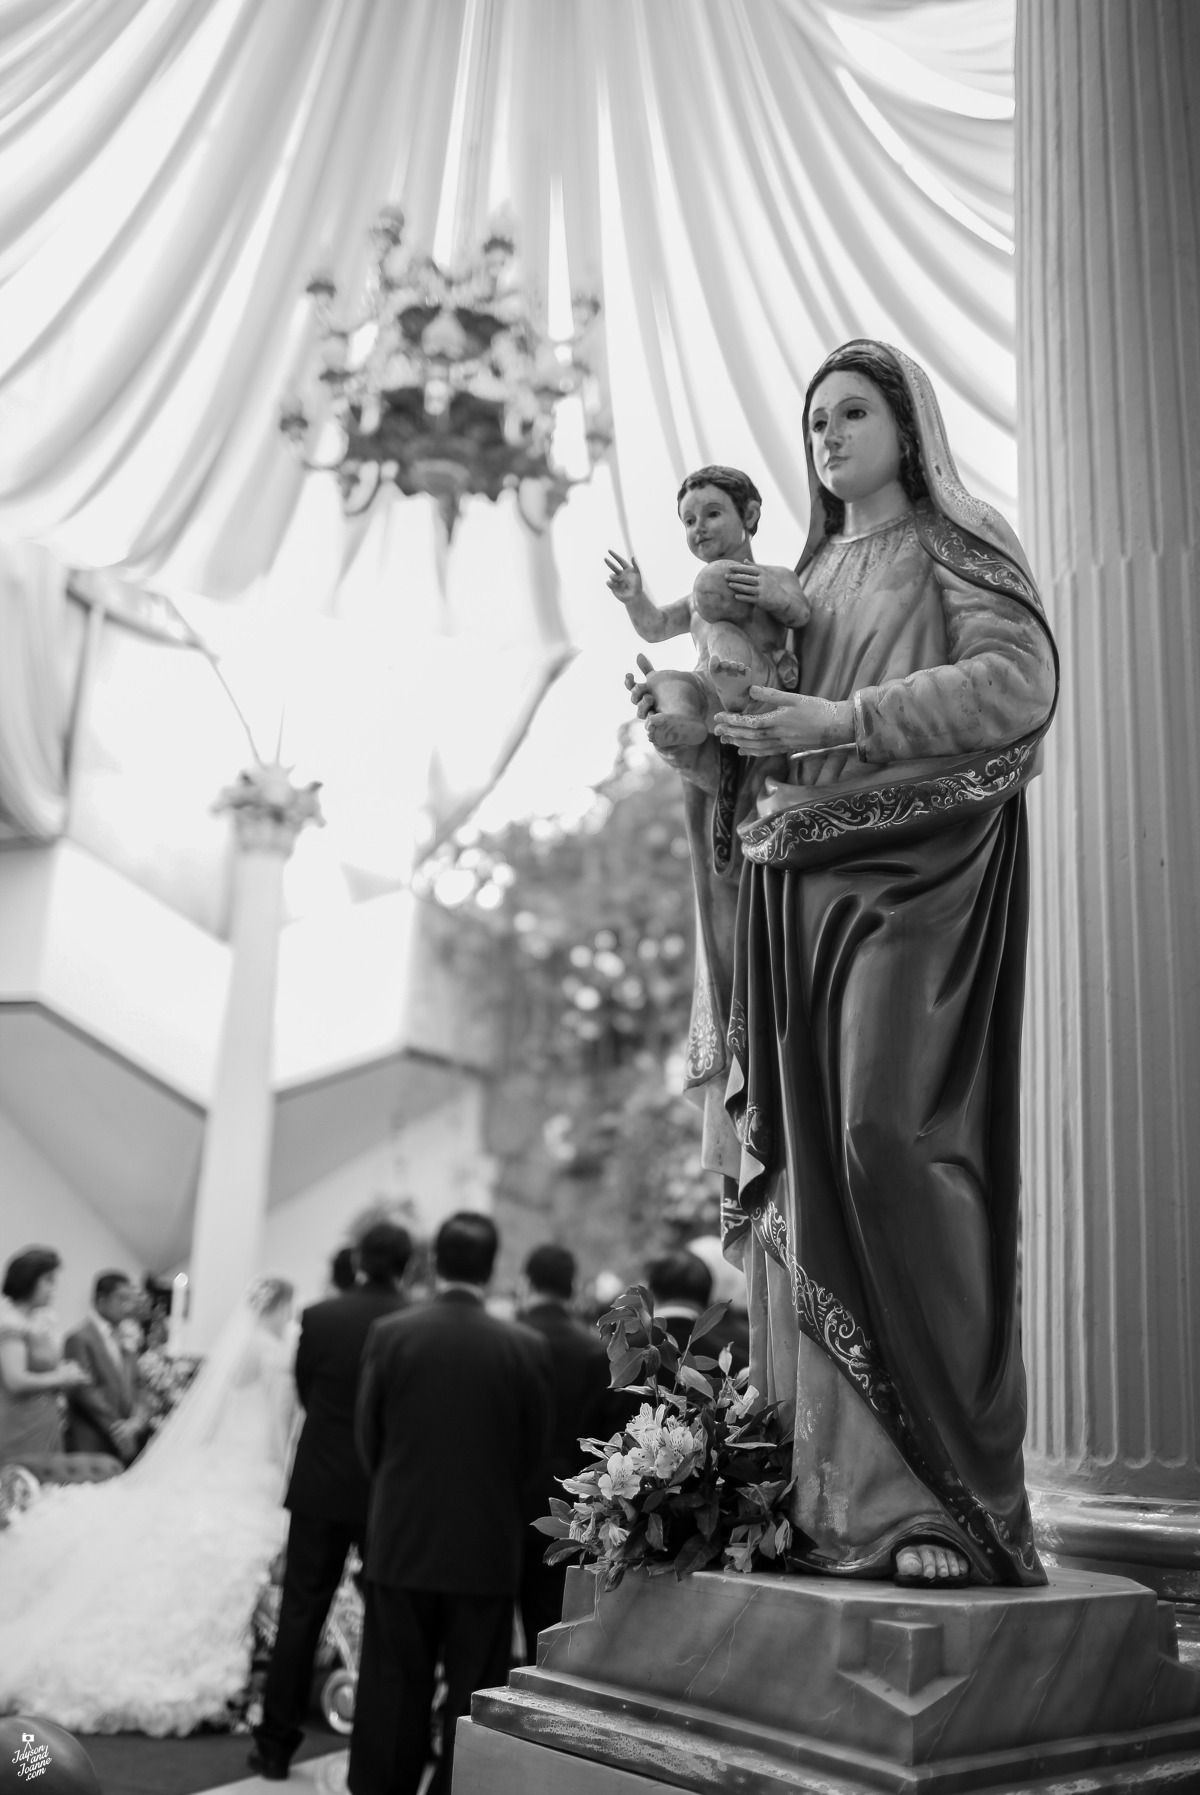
{"x": 34, "y": 1374}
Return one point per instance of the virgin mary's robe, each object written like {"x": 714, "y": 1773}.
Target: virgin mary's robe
{"x": 874, "y": 1005}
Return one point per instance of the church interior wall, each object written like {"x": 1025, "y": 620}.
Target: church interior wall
{"x": 430, "y": 1166}
{"x": 38, "y": 1207}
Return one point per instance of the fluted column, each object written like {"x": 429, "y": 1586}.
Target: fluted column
{"x": 231, "y": 1198}
{"x": 1108, "y": 220}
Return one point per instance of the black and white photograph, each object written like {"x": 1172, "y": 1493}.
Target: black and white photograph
{"x": 600, "y": 897}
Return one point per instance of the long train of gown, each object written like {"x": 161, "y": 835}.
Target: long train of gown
{"x": 127, "y": 1606}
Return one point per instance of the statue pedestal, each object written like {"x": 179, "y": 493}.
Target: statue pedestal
{"x": 765, "y": 1684}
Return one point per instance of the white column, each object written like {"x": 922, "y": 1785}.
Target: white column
{"x": 231, "y": 1197}
{"x": 1108, "y": 217}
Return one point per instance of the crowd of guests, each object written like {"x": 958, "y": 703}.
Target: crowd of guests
{"x": 433, "y": 1436}
{"x": 436, "y": 1422}
{"x": 77, "y": 1406}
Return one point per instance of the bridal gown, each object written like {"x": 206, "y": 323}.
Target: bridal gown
{"x": 127, "y": 1606}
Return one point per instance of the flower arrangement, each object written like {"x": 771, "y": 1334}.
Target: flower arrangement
{"x": 701, "y": 1473}
{"x": 162, "y": 1382}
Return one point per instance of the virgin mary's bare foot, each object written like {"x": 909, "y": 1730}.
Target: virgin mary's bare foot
{"x": 931, "y": 1564}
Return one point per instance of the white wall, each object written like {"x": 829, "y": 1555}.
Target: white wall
{"x": 437, "y": 1160}
{"x": 113, "y": 961}
{"x": 38, "y": 1208}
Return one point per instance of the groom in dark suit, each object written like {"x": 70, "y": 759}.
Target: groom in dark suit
{"x": 103, "y": 1414}
{"x": 454, "y": 1415}
{"x": 327, "y": 1495}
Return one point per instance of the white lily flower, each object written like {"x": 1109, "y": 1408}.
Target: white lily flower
{"x": 623, "y": 1476}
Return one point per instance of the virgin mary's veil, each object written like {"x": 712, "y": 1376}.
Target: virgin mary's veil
{"x": 235, "y": 1360}
{"x": 946, "y": 490}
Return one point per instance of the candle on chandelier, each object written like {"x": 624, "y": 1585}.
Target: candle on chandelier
{"x": 177, "y": 1315}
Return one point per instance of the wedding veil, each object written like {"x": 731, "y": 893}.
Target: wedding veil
{"x": 234, "y": 1360}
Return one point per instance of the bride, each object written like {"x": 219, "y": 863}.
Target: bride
{"x": 126, "y": 1606}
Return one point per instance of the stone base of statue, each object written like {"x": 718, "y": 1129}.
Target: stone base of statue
{"x": 762, "y": 1684}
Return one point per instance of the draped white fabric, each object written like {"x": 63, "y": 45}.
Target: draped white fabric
{"x": 34, "y": 692}
{"x": 747, "y": 181}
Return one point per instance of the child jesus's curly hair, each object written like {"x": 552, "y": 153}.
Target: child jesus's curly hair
{"x": 732, "y": 480}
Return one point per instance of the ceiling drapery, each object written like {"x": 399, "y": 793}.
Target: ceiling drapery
{"x": 35, "y": 691}
{"x": 747, "y": 182}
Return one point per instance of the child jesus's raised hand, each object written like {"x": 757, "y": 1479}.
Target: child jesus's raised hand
{"x": 624, "y": 577}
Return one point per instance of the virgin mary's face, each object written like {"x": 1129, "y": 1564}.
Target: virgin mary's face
{"x": 854, "y": 438}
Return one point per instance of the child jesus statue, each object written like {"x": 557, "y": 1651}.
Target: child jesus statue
{"x": 738, "y": 613}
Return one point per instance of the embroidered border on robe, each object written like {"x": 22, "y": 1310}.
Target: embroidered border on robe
{"x": 775, "y": 838}
{"x": 830, "y": 1324}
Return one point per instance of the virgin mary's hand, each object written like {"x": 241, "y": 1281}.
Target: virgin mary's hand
{"x": 641, "y": 693}
{"x": 794, "y": 724}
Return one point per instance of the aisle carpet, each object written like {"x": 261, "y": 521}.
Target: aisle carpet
{"x": 131, "y": 1764}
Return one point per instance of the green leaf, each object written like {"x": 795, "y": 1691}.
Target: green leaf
{"x": 632, "y": 1308}
{"x": 626, "y": 1368}
{"x": 697, "y": 1552}
{"x": 705, "y": 1323}
{"x": 694, "y": 1381}
{"x": 553, "y": 1525}
{"x": 655, "y": 1537}
{"x": 557, "y": 1554}
{"x": 707, "y": 1516}
{"x": 563, "y": 1510}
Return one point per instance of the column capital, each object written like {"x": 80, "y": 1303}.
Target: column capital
{"x": 268, "y": 809}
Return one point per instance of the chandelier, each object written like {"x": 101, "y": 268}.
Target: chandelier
{"x": 445, "y": 385}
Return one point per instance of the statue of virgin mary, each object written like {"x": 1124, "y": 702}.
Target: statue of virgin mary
{"x": 861, "y": 863}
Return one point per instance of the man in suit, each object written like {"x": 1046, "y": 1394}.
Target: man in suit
{"x": 680, "y": 1284}
{"x": 584, "y": 1407}
{"x": 103, "y": 1415}
{"x": 327, "y": 1495}
{"x": 454, "y": 1414}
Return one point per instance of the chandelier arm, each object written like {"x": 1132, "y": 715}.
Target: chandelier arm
{"x": 344, "y": 328}
{"x": 320, "y": 467}
{"x": 357, "y": 510}
{"x": 538, "y": 526}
